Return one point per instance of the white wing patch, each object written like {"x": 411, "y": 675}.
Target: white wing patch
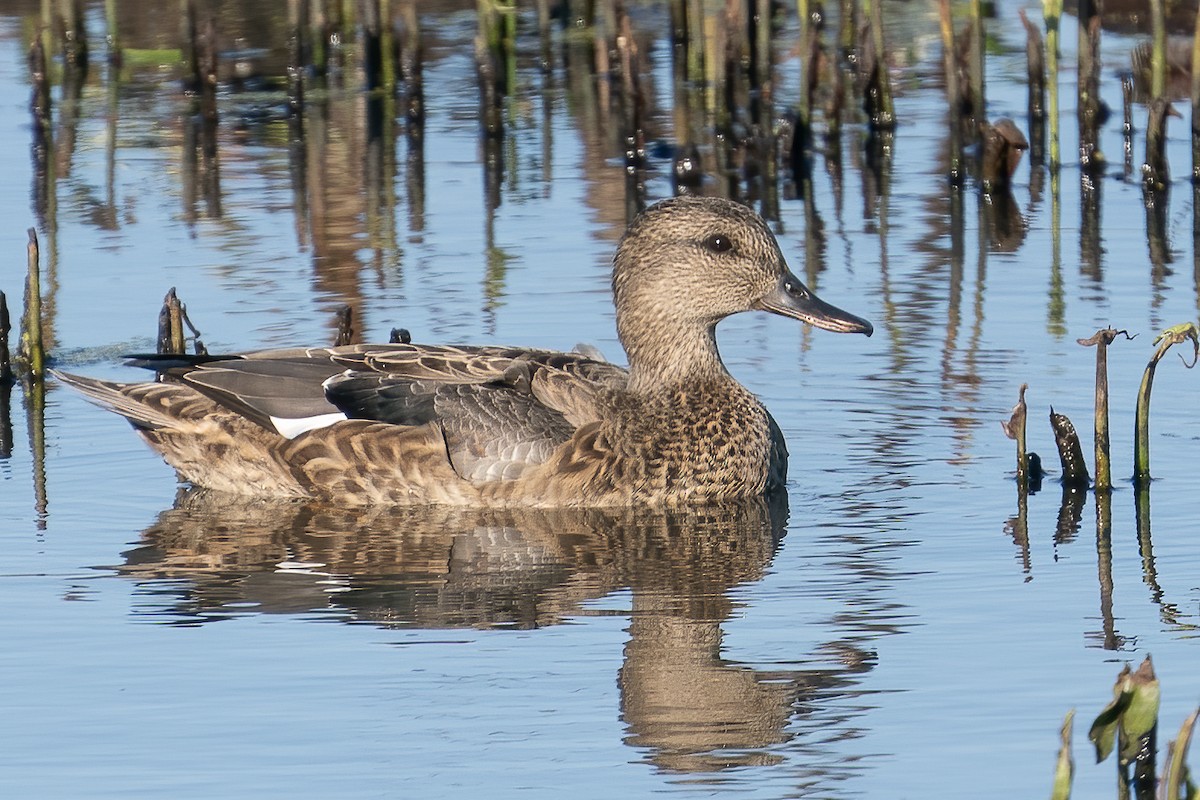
{"x": 291, "y": 427}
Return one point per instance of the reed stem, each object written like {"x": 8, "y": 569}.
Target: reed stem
{"x": 952, "y": 92}
{"x": 1014, "y": 428}
{"x": 1158, "y": 49}
{"x": 6, "y": 373}
{"x": 32, "y": 352}
{"x": 1196, "y": 103}
{"x": 1101, "y": 340}
{"x": 1052, "y": 11}
{"x": 975, "y": 69}
{"x": 1141, "y": 432}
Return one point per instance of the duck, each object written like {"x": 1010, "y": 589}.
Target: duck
{"x": 488, "y": 425}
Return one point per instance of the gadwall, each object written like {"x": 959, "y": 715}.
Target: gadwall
{"x": 407, "y": 423}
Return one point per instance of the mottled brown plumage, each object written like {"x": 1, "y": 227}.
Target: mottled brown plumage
{"x": 404, "y": 423}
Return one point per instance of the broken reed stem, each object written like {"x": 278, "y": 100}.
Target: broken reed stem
{"x": 1196, "y": 103}
{"x": 847, "y": 27}
{"x": 32, "y": 352}
{"x": 1035, "y": 66}
{"x": 40, "y": 100}
{"x": 112, "y": 32}
{"x": 1052, "y": 12}
{"x": 1127, "y": 122}
{"x": 170, "y": 325}
{"x": 975, "y": 69}
{"x": 1158, "y": 50}
{"x": 1070, "y": 452}
{"x": 804, "y": 121}
{"x": 1014, "y": 428}
{"x": 1064, "y": 769}
{"x": 1156, "y": 173}
{"x": 6, "y": 373}
{"x": 1088, "y": 101}
{"x": 1103, "y": 464}
{"x": 345, "y": 327}
{"x": 952, "y": 92}
{"x": 883, "y": 112}
{"x": 387, "y": 44}
{"x": 1102, "y": 339}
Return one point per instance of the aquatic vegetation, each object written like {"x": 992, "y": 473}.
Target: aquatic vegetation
{"x": 1128, "y": 725}
{"x": 1165, "y": 341}
{"x": 1101, "y": 339}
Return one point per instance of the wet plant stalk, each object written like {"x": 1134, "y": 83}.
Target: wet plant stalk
{"x": 1014, "y": 428}
{"x": 32, "y": 352}
{"x": 1070, "y": 452}
{"x": 1158, "y": 50}
{"x": 883, "y": 115}
{"x": 1175, "y": 778}
{"x": 804, "y": 121}
{"x": 1088, "y": 101}
{"x": 1196, "y": 104}
{"x": 1101, "y": 340}
{"x": 975, "y": 68}
{"x": 170, "y": 325}
{"x": 1035, "y": 61}
{"x": 1127, "y": 123}
{"x": 1156, "y": 173}
{"x": 1103, "y": 465}
{"x": 6, "y": 373}
{"x": 112, "y": 34}
{"x": 1064, "y": 770}
{"x": 952, "y": 92}
{"x": 345, "y": 327}
{"x": 1052, "y": 11}
{"x": 1141, "y": 433}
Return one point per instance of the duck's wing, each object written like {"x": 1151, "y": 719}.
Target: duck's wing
{"x": 501, "y": 410}
{"x": 572, "y": 384}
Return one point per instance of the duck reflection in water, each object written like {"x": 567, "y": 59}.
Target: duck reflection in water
{"x": 442, "y": 567}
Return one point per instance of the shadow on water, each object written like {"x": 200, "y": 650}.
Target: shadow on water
{"x": 207, "y": 559}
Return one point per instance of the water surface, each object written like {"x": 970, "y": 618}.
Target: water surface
{"x": 887, "y": 629}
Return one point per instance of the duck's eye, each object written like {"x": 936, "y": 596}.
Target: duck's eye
{"x": 719, "y": 243}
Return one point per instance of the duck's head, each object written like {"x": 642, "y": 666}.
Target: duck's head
{"x": 689, "y": 262}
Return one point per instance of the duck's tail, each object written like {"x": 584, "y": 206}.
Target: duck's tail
{"x": 126, "y": 399}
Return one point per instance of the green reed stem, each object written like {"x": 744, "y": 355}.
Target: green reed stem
{"x": 1158, "y": 50}
{"x": 1052, "y": 11}
{"x": 1141, "y": 433}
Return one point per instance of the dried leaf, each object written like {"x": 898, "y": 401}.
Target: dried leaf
{"x": 1064, "y": 771}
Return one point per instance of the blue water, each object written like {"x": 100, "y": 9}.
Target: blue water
{"x": 885, "y": 635}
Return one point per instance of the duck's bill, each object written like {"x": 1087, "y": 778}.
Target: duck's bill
{"x": 792, "y": 298}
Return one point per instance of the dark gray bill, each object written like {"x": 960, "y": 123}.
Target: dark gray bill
{"x": 792, "y": 298}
